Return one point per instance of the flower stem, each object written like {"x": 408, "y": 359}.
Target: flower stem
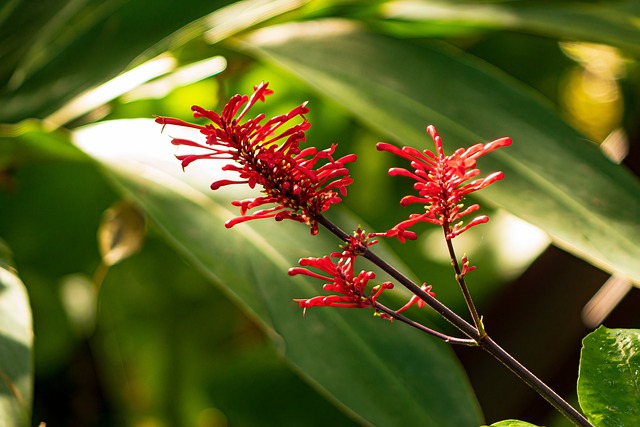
{"x": 477, "y": 320}
{"x": 487, "y": 344}
{"x": 457, "y": 321}
{"x": 446, "y": 338}
{"x": 481, "y": 338}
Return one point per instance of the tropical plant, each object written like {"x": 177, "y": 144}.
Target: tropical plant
{"x": 128, "y": 330}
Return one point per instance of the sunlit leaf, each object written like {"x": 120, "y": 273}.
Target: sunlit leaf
{"x": 60, "y": 48}
{"x": 16, "y": 340}
{"x": 379, "y": 372}
{"x": 609, "y": 378}
{"x": 28, "y": 142}
{"x": 606, "y": 22}
{"x": 555, "y": 178}
{"x": 56, "y": 52}
{"x": 226, "y": 22}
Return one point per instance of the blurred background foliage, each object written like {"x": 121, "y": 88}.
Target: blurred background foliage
{"x": 154, "y": 344}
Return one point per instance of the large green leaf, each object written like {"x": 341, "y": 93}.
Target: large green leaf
{"x": 226, "y": 22}
{"x": 57, "y": 50}
{"x": 607, "y": 22}
{"x": 609, "y": 378}
{"x": 555, "y": 178}
{"x": 27, "y": 142}
{"x": 16, "y": 340}
{"x": 381, "y": 373}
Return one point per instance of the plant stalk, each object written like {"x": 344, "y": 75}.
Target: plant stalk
{"x": 443, "y": 337}
{"x": 487, "y": 344}
{"x": 481, "y": 338}
{"x": 477, "y": 320}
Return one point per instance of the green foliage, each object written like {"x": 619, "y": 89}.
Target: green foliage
{"x": 56, "y": 51}
{"x": 27, "y": 142}
{"x": 331, "y": 347}
{"x": 450, "y": 90}
{"x": 175, "y": 351}
{"x": 606, "y": 22}
{"x": 16, "y": 341}
{"x": 372, "y": 70}
{"x": 609, "y": 378}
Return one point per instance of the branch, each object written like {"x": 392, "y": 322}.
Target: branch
{"x": 482, "y": 339}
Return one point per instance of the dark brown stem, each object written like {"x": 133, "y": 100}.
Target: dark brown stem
{"x": 490, "y": 346}
{"x": 481, "y": 338}
{"x": 446, "y": 338}
{"x": 477, "y": 320}
{"x": 457, "y": 321}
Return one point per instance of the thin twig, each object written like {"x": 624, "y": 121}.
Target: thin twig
{"x": 457, "y": 321}
{"x": 534, "y": 382}
{"x": 443, "y": 337}
{"x": 477, "y": 320}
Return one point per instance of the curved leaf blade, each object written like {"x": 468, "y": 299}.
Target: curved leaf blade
{"x": 16, "y": 342}
{"x": 613, "y": 23}
{"x": 380, "y": 373}
{"x": 225, "y": 22}
{"x": 27, "y": 142}
{"x": 555, "y": 178}
{"x": 609, "y": 377}
{"x": 41, "y": 73}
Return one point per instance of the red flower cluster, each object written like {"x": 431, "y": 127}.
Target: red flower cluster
{"x": 416, "y": 300}
{"x": 441, "y": 183}
{"x": 357, "y": 244}
{"x": 300, "y": 183}
{"x": 340, "y": 276}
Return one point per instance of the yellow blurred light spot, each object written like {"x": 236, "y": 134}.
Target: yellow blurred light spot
{"x": 591, "y": 95}
{"x": 601, "y": 60}
{"x": 211, "y": 417}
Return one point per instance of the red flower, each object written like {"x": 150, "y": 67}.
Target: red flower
{"x": 298, "y": 183}
{"x": 442, "y": 184}
{"x": 356, "y": 245}
{"x": 339, "y": 277}
{"x": 416, "y": 300}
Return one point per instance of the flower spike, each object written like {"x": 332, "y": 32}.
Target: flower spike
{"x": 442, "y": 183}
{"x": 297, "y": 184}
{"x": 339, "y": 277}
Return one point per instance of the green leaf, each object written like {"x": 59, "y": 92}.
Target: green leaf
{"x": 28, "y": 142}
{"x": 64, "y": 47}
{"x": 613, "y": 23}
{"x": 609, "y": 377}
{"x": 155, "y": 298}
{"x": 225, "y": 22}
{"x": 381, "y": 373}
{"x": 555, "y": 178}
{"x": 16, "y": 341}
